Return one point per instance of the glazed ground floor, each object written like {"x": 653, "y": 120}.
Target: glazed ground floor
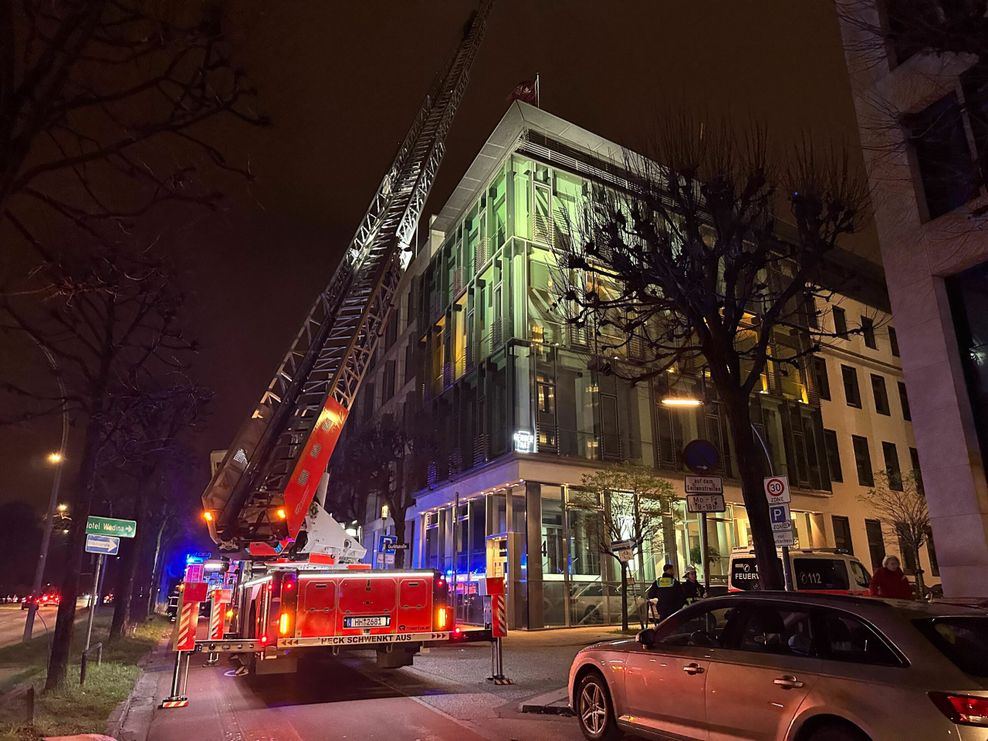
{"x": 528, "y": 519}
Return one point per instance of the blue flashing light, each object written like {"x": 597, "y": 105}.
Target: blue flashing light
{"x": 193, "y": 558}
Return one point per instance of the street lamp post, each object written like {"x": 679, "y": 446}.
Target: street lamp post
{"x": 57, "y": 459}
{"x": 692, "y": 402}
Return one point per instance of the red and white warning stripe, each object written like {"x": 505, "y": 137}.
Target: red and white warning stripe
{"x": 185, "y": 632}
{"x": 500, "y": 612}
{"x": 217, "y": 615}
{"x": 175, "y": 703}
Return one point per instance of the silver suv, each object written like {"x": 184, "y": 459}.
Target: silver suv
{"x": 794, "y": 666}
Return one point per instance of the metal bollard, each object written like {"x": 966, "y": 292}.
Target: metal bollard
{"x": 29, "y": 701}
{"x": 175, "y": 699}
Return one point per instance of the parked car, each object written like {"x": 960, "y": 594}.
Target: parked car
{"x": 791, "y": 666}
{"x": 813, "y": 570}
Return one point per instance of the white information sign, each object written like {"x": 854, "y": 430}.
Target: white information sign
{"x": 705, "y": 503}
{"x": 704, "y": 485}
{"x": 777, "y": 489}
{"x": 784, "y": 537}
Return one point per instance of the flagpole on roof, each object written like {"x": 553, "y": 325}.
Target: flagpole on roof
{"x": 538, "y": 98}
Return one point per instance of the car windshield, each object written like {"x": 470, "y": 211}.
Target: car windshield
{"x": 963, "y": 640}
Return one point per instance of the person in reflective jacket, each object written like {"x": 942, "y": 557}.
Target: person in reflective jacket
{"x": 667, "y": 593}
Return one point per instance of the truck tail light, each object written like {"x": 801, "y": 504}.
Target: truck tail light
{"x": 442, "y": 618}
{"x": 284, "y": 624}
{"x": 264, "y": 640}
{"x": 963, "y": 709}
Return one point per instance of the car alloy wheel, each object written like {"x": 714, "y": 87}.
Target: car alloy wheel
{"x": 593, "y": 709}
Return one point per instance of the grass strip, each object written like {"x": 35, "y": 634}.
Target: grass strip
{"x": 72, "y": 709}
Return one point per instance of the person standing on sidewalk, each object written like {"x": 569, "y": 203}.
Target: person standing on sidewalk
{"x": 692, "y": 588}
{"x": 666, "y": 593}
{"x": 889, "y": 581}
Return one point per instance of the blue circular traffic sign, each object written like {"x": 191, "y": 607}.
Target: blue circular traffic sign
{"x": 701, "y": 456}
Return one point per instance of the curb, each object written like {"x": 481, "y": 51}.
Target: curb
{"x": 550, "y": 703}
{"x": 131, "y": 719}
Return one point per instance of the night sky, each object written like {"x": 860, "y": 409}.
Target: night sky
{"x": 342, "y": 81}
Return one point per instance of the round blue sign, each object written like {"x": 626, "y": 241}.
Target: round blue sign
{"x": 701, "y": 456}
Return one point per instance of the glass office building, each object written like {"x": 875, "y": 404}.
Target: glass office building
{"x": 517, "y": 416}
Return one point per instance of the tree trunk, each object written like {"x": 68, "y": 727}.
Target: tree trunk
{"x": 61, "y": 644}
{"x": 920, "y": 583}
{"x": 155, "y": 568}
{"x": 624, "y": 596}
{"x": 751, "y": 466}
{"x": 128, "y": 569}
{"x": 398, "y": 517}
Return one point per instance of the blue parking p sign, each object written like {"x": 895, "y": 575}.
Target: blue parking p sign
{"x": 388, "y": 544}
{"x": 778, "y": 515}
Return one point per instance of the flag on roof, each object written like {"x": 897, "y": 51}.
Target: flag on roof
{"x": 526, "y": 91}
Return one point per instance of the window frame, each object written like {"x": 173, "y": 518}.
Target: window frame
{"x": 821, "y": 377}
{"x": 856, "y": 402}
{"x": 904, "y": 401}
{"x": 900, "y": 661}
{"x": 868, "y": 332}
{"x": 840, "y": 322}
{"x": 869, "y": 479}
{"x": 828, "y": 436}
{"x": 878, "y": 382}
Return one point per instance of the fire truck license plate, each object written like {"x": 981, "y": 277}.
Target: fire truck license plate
{"x": 377, "y": 621}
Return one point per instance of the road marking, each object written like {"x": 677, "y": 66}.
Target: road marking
{"x": 403, "y": 691}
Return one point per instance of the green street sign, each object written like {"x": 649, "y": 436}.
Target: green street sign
{"x": 110, "y": 526}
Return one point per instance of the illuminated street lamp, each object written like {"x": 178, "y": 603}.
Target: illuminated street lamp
{"x": 55, "y": 457}
{"x": 681, "y": 401}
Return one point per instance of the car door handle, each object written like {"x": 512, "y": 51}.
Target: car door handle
{"x": 787, "y": 682}
{"x": 693, "y": 669}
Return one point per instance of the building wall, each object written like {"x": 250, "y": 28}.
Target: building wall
{"x": 521, "y": 417}
{"x": 921, "y": 249}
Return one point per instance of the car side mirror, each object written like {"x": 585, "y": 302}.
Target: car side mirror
{"x": 646, "y": 637}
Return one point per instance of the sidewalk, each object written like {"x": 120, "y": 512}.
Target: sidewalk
{"x": 131, "y": 720}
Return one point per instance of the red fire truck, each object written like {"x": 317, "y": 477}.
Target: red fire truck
{"x": 284, "y": 610}
{"x": 301, "y": 585}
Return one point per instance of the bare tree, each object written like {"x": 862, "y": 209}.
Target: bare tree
{"x": 87, "y": 86}
{"x": 900, "y": 503}
{"x": 155, "y": 422}
{"x": 631, "y": 503}
{"x": 112, "y": 321}
{"x": 683, "y": 267}
{"x": 371, "y": 465}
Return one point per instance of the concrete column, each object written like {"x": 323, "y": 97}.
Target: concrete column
{"x": 533, "y": 503}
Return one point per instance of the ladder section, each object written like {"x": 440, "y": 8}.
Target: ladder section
{"x": 263, "y": 489}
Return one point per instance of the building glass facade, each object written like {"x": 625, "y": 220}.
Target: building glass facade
{"x": 504, "y": 375}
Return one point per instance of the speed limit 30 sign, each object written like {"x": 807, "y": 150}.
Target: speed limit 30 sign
{"x": 777, "y": 489}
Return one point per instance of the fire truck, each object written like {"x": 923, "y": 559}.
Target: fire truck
{"x": 297, "y": 582}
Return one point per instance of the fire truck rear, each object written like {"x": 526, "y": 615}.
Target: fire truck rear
{"x": 281, "y": 611}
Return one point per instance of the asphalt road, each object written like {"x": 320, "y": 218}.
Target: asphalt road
{"x": 12, "y": 622}
{"x": 445, "y": 696}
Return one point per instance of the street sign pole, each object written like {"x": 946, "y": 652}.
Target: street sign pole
{"x": 95, "y": 599}
{"x": 705, "y": 556}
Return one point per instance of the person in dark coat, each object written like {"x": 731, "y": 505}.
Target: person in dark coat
{"x": 666, "y": 593}
{"x": 889, "y": 581}
{"x": 692, "y": 588}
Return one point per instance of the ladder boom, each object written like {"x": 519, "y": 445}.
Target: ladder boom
{"x": 264, "y": 488}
